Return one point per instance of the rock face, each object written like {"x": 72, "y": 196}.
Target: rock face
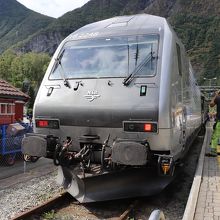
{"x": 44, "y": 42}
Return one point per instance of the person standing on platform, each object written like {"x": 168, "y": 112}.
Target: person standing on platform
{"x": 216, "y": 101}
{"x": 216, "y": 133}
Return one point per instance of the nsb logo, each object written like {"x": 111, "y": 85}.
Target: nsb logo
{"x": 92, "y": 95}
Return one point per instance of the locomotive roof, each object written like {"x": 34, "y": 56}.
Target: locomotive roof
{"x": 122, "y": 25}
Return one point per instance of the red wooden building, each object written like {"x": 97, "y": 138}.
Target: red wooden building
{"x": 12, "y": 102}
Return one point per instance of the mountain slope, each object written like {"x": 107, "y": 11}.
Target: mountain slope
{"x": 17, "y": 23}
{"x": 94, "y": 10}
{"x": 196, "y": 22}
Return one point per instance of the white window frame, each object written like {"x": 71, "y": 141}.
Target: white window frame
{"x": 6, "y": 108}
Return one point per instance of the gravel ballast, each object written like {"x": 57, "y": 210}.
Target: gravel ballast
{"x": 23, "y": 196}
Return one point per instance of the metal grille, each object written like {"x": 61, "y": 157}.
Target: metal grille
{"x": 10, "y": 150}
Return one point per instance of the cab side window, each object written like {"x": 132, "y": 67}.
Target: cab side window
{"x": 179, "y": 58}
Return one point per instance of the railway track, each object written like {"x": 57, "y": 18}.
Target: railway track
{"x": 63, "y": 200}
{"x": 44, "y": 207}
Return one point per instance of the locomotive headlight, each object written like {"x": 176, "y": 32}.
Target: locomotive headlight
{"x": 136, "y": 126}
{"x": 47, "y": 123}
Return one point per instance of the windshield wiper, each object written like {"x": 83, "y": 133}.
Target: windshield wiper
{"x": 148, "y": 58}
{"x": 62, "y": 72}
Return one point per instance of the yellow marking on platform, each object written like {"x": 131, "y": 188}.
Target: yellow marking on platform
{"x": 218, "y": 149}
{"x": 218, "y": 153}
{"x": 218, "y": 159}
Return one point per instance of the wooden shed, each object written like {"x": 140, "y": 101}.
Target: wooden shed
{"x": 12, "y": 102}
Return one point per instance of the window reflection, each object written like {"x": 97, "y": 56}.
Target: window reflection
{"x": 111, "y": 57}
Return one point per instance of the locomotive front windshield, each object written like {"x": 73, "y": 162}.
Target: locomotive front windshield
{"x": 107, "y": 57}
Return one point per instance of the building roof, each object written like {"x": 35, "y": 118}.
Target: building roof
{"x": 9, "y": 91}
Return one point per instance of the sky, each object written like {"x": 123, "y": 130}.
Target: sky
{"x": 53, "y": 8}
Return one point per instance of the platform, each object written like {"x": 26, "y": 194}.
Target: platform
{"x": 204, "y": 198}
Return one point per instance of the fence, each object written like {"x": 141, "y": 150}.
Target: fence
{"x": 10, "y": 142}
{"x": 11, "y": 156}
{"x": 10, "y": 150}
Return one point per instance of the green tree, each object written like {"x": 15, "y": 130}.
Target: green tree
{"x": 34, "y": 67}
{"x": 6, "y": 60}
{"x": 16, "y": 68}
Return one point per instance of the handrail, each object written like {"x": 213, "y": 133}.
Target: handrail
{"x": 157, "y": 215}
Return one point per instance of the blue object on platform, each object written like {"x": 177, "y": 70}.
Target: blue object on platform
{"x": 12, "y": 144}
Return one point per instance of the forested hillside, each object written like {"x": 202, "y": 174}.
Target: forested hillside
{"x": 197, "y": 23}
{"x": 18, "y": 23}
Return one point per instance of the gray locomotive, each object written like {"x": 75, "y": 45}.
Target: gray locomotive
{"x": 117, "y": 108}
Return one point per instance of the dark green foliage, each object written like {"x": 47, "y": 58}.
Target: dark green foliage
{"x": 32, "y": 95}
{"x": 29, "y": 67}
{"x": 201, "y": 36}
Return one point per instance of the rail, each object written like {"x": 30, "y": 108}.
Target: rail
{"x": 43, "y": 207}
{"x": 157, "y": 215}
